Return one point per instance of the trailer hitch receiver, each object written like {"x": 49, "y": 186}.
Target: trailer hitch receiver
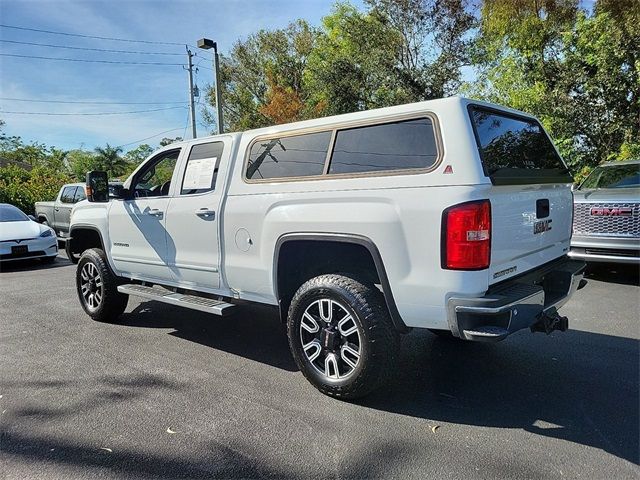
{"x": 550, "y": 320}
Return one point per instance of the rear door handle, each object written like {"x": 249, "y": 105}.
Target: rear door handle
{"x": 155, "y": 212}
{"x": 206, "y": 213}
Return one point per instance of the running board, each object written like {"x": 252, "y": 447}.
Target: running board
{"x": 203, "y": 304}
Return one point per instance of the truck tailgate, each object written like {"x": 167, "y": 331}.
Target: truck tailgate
{"x": 531, "y": 225}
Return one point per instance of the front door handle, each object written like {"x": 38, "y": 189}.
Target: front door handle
{"x": 206, "y": 213}
{"x": 155, "y": 212}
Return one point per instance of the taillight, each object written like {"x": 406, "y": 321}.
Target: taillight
{"x": 466, "y": 236}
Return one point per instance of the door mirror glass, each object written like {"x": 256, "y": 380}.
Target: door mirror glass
{"x": 97, "y": 186}
{"x": 117, "y": 190}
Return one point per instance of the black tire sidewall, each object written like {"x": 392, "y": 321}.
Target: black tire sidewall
{"x": 379, "y": 339}
{"x": 339, "y": 295}
{"x": 113, "y": 303}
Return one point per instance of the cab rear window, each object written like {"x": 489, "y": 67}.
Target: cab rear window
{"x": 516, "y": 150}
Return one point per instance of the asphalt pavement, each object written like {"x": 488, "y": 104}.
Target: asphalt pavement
{"x": 170, "y": 393}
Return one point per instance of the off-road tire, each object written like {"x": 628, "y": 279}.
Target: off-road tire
{"x": 113, "y": 303}
{"x": 380, "y": 341}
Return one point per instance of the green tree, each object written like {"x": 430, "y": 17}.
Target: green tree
{"x": 79, "y": 162}
{"x": 23, "y": 188}
{"x": 263, "y": 78}
{"x": 108, "y": 158}
{"x": 168, "y": 141}
{"x": 138, "y": 154}
{"x": 578, "y": 72}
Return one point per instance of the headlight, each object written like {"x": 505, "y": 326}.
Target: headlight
{"x": 46, "y": 233}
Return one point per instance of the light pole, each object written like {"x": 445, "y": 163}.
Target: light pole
{"x": 206, "y": 44}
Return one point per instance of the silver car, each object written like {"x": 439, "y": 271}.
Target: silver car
{"x": 606, "y": 214}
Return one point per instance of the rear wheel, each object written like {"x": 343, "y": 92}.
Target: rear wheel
{"x": 341, "y": 336}
{"x": 97, "y": 287}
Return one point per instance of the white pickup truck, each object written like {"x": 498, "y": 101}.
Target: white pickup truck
{"x": 450, "y": 215}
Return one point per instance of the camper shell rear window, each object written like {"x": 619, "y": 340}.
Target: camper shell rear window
{"x": 515, "y": 149}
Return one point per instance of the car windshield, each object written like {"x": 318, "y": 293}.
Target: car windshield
{"x": 613, "y": 176}
{"x": 9, "y": 213}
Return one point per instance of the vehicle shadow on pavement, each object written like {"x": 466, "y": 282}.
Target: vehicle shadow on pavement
{"x": 221, "y": 461}
{"x": 28, "y": 265}
{"x": 255, "y": 332}
{"x": 108, "y": 389}
{"x": 614, "y": 273}
{"x": 576, "y": 386}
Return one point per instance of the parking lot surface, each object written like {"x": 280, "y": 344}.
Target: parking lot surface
{"x": 172, "y": 393}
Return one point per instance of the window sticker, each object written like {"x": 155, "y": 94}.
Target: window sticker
{"x": 199, "y": 173}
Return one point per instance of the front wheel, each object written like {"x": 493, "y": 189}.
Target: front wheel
{"x": 97, "y": 287}
{"x": 341, "y": 335}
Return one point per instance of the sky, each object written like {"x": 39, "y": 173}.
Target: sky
{"x": 35, "y": 87}
{"x": 120, "y": 87}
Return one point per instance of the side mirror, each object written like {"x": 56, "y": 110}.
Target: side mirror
{"x": 97, "y": 186}
{"x": 116, "y": 191}
{"x": 32, "y": 218}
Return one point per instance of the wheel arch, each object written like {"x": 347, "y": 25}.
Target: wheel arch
{"x": 366, "y": 249}
{"x": 83, "y": 237}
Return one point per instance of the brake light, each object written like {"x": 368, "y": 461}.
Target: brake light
{"x": 466, "y": 236}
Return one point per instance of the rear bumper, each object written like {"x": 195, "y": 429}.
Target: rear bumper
{"x": 606, "y": 249}
{"x": 523, "y": 302}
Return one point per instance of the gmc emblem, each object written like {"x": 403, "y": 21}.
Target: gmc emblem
{"x": 611, "y": 212}
{"x": 542, "y": 226}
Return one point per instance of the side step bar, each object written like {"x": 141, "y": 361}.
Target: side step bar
{"x": 208, "y": 305}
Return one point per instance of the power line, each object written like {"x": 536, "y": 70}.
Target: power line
{"x": 90, "y": 36}
{"x": 88, "y": 49}
{"x": 84, "y": 102}
{"x": 88, "y": 61}
{"x": 152, "y": 136}
{"x": 89, "y": 113}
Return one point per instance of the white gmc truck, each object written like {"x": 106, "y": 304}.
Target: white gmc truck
{"x": 451, "y": 215}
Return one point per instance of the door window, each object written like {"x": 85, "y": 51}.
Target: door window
{"x": 67, "y": 194}
{"x": 155, "y": 179}
{"x": 80, "y": 195}
{"x": 202, "y": 168}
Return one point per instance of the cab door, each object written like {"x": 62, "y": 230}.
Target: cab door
{"x": 137, "y": 234}
{"x": 192, "y": 218}
{"x": 62, "y": 210}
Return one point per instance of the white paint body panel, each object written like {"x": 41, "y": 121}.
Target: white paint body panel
{"x": 401, "y": 214}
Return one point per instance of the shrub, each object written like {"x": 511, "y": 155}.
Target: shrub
{"x": 24, "y": 188}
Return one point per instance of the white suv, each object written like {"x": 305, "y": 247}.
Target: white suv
{"x": 451, "y": 215}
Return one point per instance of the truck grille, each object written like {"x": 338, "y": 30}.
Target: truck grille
{"x": 607, "y": 225}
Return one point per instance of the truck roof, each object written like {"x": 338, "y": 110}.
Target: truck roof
{"x": 455, "y": 101}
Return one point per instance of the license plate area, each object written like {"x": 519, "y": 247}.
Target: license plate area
{"x": 19, "y": 250}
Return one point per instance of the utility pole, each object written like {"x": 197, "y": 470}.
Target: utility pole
{"x": 192, "y": 102}
{"x": 206, "y": 44}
